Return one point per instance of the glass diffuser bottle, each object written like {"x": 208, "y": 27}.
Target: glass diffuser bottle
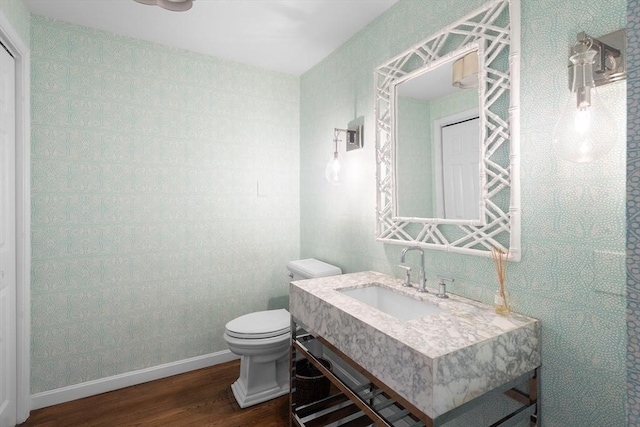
{"x": 501, "y": 297}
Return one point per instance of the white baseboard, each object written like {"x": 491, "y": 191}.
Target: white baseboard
{"x": 91, "y": 388}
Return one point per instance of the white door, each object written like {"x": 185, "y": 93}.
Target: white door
{"x": 460, "y": 169}
{"x": 7, "y": 242}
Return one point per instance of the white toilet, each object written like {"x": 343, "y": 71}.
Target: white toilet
{"x": 262, "y": 341}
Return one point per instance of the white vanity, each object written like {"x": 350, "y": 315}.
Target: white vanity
{"x": 427, "y": 368}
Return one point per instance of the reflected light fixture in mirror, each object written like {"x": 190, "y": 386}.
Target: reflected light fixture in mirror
{"x": 465, "y": 71}
{"x": 173, "y": 5}
{"x": 334, "y": 170}
{"x": 586, "y": 130}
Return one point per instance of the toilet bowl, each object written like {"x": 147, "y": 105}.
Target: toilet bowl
{"x": 262, "y": 340}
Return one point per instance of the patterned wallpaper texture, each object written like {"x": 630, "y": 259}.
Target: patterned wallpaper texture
{"x": 17, "y": 13}
{"x": 572, "y": 273}
{"x": 414, "y": 157}
{"x": 633, "y": 212}
{"x": 165, "y": 200}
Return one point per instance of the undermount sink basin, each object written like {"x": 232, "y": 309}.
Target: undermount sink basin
{"x": 400, "y": 306}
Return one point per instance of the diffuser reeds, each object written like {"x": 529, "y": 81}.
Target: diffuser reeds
{"x": 501, "y": 260}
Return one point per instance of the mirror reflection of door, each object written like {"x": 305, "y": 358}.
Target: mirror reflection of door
{"x": 460, "y": 166}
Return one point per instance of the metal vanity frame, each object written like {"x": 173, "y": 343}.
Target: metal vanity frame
{"x": 377, "y": 404}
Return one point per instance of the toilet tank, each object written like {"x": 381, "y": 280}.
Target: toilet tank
{"x": 311, "y": 268}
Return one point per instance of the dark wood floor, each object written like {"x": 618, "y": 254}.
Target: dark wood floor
{"x": 198, "y": 398}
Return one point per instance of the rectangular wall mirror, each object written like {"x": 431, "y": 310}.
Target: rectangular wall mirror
{"x": 438, "y": 147}
{"x": 447, "y": 137}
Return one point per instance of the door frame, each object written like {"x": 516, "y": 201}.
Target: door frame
{"x": 22, "y": 55}
{"x": 438, "y": 124}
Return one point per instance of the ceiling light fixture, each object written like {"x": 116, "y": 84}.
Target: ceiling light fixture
{"x": 173, "y": 5}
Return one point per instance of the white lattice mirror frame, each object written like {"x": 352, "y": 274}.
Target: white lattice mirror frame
{"x": 499, "y": 227}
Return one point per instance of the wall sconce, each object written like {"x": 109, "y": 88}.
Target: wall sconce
{"x": 465, "y": 71}
{"x": 586, "y": 129}
{"x": 333, "y": 172}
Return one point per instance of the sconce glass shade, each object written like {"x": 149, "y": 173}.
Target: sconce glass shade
{"x": 585, "y": 130}
{"x": 333, "y": 169}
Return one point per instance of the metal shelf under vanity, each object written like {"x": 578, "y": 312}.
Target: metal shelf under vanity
{"x": 375, "y": 404}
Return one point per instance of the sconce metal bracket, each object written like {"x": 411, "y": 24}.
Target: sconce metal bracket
{"x": 354, "y": 138}
{"x": 610, "y": 61}
{"x": 355, "y": 134}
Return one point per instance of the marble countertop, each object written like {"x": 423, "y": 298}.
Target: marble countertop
{"x": 437, "y": 362}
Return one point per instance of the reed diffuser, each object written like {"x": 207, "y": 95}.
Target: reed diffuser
{"x": 500, "y": 259}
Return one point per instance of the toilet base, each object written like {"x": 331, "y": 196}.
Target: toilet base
{"x": 263, "y": 376}
{"x": 245, "y": 400}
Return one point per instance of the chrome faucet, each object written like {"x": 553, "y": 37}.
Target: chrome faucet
{"x": 422, "y": 283}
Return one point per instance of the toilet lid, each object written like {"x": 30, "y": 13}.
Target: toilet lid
{"x": 261, "y": 324}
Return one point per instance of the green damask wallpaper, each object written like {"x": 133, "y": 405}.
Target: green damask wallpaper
{"x": 165, "y": 199}
{"x": 414, "y": 157}
{"x": 169, "y": 189}
{"x": 572, "y": 273}
{"x": 17, "y": 13}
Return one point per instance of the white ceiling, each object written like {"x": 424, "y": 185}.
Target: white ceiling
{"x": 434, "y": 84}
{"x": 290, "y": 36}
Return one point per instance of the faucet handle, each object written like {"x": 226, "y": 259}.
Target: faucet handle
{"x": 407, "y": 277}
{"x": 442, "y": 293}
